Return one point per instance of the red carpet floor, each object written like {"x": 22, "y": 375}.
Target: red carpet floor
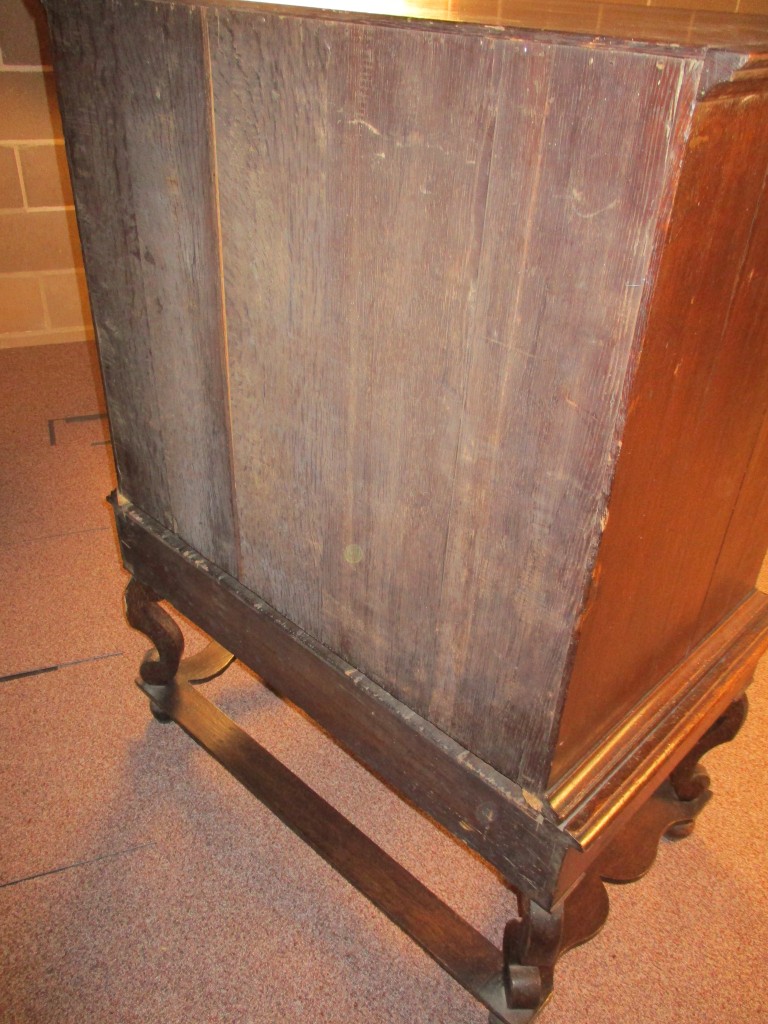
{"x": 139, "y": 882}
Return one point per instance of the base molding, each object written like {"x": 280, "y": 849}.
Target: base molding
{"x": 606, "y": 788}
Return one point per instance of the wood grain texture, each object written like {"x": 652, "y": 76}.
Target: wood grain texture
{"x": 476, "y": 804}
{"x": 573, "y": 201}
{"x": 437, "y": 243}
{"x": 741, "y": 556}
{"x": 393, "y": 498}
{"x": 669, "y": 567}
{"x": 138, "y": 142}
{"x": 352, "y": 201}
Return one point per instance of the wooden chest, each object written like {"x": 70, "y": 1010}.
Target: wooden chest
{"x": 436, "y": 360}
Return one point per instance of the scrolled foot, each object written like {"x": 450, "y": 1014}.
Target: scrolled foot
{"x": 160, "y": 665}
{"x": 680, "y": 830}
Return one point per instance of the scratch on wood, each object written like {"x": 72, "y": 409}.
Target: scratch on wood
{"x": 579, "y": 197}
{"x": 532, "y": 800}
{"x": 364, "y": 124}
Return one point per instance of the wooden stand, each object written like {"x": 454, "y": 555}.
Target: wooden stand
{"x": 514, "y": 982}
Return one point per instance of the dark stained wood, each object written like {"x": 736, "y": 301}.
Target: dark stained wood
{"x": 541, "y": 421}
{"x": 585, "y": 912}
{"x": 148, "y": 617}
{"x": 378, "y": 422}
{"x": 347, "y": 179}
{"x": 696, "y": 411}
{"x": 531, "y": 948}
{"x": 138, "y": 142}
{"x": 632, "y": 854}
{"x": 161, "y": 666}
{"x": 475, "y": 803}
{"x": 378, "y": 425}
{"x": 690, "y": 780}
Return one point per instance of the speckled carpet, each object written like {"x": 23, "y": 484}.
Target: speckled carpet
{"x": 139, "y": 882}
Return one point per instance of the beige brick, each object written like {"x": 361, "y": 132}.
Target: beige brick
{"x": 67, "y": 299}
{"x": 46, "y": 175}
{"x": 39, "y": 241}
{"x": 28, "y": 107}
{"x": 21, "y": 305}
{"x": 10, "y": 189}
{"x": 697, "y": 5}
{"x": 24, "y": 32}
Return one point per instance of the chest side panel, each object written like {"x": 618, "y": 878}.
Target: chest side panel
{"x": 687, "y": 514}
{"x": 572, "y": 214}
{"x": 434, "y": 250}
{"x": 134, "y": 91}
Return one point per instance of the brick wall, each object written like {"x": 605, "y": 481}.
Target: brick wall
{"x": 734, "y": 6}
{"x": 42, "y": 287}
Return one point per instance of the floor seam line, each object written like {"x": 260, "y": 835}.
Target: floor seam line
{"x": 77, "y": 864}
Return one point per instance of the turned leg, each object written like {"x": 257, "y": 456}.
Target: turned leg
{"x": 690, "y": 780}
{"x": 164, "y": 665}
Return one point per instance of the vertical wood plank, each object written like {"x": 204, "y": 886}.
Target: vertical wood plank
{"x": 353, "y": 165}
{"x": 139, "y": 148}
{"x": 697, "y": 408}
{"x": 573, "y": 202}
{"x": 270, "y": 113}
{"x": 413, "y": 157}
{"x": 745, "y": 426}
